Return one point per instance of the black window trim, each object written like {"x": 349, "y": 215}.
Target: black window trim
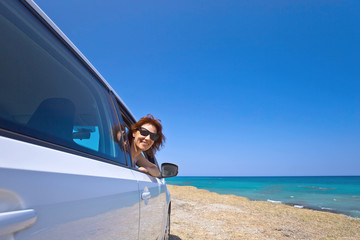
{"x": 124, "y": 110}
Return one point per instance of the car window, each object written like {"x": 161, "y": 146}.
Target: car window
{"x": 126, "y": 140}
{"x": 123, "y": 130}
{"x": 47, "y": 93}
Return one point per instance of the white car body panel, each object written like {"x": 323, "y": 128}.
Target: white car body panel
{"x": 93, "y": 200}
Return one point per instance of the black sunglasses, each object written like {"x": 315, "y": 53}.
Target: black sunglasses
{"x": 145, "y": 132}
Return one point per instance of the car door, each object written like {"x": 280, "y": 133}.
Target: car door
{"x": 50, "y": 194}
{"x": 152, "y": 206}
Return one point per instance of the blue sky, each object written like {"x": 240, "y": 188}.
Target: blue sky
{"x": 243, "y": 88}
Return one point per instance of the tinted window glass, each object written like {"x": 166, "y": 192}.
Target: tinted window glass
{"x": 46, "y": 92}
{"x": 127, "y": 145}
{"x": 122, "y": 131}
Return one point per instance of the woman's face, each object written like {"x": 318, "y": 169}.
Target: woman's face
{"x": 143, "y": 143}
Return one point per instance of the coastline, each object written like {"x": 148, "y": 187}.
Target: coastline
{"x": 328, "y": 210}
{"x": 201, "y": 214}
{"x": 337, "y": 194}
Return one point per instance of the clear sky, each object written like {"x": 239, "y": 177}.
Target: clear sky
{"x": 243, "y": 88}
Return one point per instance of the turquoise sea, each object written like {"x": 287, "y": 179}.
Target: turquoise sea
{"x": 333, "y": 194}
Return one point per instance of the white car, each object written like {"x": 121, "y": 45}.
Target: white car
{"x": 62, "y": 175}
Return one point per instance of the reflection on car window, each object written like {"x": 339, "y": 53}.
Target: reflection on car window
{"x": 119, "y": 133}
{"x": 127, "y": 144}
{"x": 87, "y": 136}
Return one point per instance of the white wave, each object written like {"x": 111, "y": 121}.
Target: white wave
{"x": 298, "y": 206}
{"x": 273, "y": 201}
{"x": 326, "y": 208}
{"x": 292, "y": 196}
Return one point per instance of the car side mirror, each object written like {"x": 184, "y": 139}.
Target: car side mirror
{"x": 168, "y": 170}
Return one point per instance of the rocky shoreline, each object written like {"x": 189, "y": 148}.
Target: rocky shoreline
{"x": 200, "y": 214}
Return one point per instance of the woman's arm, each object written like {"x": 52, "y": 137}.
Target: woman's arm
{"x": 146, "y": 166}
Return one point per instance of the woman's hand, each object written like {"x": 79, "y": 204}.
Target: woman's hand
{"x": 142, "y": 169}
{"x": 147, "y": 167}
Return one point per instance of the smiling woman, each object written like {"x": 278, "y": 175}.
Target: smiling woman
{"x": 146, "y": 136}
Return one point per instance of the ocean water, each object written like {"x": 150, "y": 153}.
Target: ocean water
{"x": 333, "y": 194}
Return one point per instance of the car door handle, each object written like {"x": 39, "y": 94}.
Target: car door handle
{"x": 146, "y": 195}
{"x": 15, "y": 221}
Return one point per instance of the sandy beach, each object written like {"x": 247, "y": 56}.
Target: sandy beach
{"x": 200, "y": 214}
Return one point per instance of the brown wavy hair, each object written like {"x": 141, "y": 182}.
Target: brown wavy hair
{"x": 156, "y": 123}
